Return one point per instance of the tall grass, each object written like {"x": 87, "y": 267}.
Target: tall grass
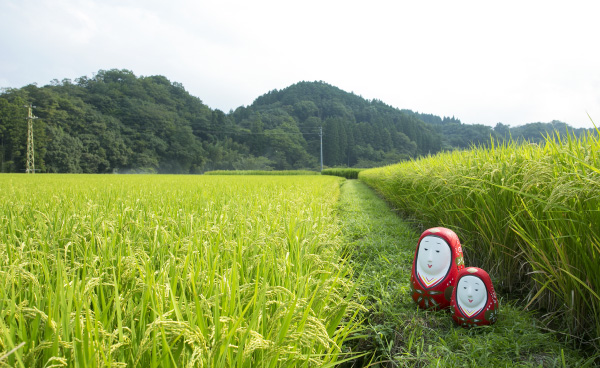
{"x": 528, "y": 213}
{"x": 171, "y": 271}
{"x": 347, "y": 173}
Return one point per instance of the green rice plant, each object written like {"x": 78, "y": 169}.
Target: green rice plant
{"x": 528, "y": 213}
{"x": 172, "y": 271}
{"x": 347, "y": 173}
{"x": 261, "y": 172}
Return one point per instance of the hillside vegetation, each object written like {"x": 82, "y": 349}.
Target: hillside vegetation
{"x": 116, "y": 121}
{"x": 528, "y": 213}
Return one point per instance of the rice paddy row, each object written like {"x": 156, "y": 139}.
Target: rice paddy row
{"x": 172, "y": 271}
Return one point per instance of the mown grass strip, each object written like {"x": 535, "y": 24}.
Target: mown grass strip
{"x": 398, "y": 334}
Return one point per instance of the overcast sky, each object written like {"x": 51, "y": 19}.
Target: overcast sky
{"x": 513, "y": 62}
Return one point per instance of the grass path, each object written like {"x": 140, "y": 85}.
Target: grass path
{"x": 398, "y": 334}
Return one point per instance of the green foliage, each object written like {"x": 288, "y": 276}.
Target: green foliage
{"x": 347, "y": 173}
{"x": 13, "y": 133}
{"x": 526, "y": 212}
{"x": 112, "y": 122}
{"x": 457, "y": 135}
{"x": 172, "y": 271}
{"x": 356, "y": 132}
{"x": 63, "y": 151}
{"x": 398, "y": 334}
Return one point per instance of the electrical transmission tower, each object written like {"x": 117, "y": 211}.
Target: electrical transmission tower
{"x": 30, "y": 167}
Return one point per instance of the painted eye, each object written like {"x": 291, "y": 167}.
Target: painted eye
{"x": 464, "y": 287}
{"x": 476, "y": 289}
{"x": 437, "y": 251}
{"x": 426, "y": 249}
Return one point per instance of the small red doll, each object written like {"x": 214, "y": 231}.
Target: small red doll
{"x": 474, "y": 299}
{"x": 438, "y": 258}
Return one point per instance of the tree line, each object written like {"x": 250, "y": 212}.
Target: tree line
{"x": 116, "y": 121}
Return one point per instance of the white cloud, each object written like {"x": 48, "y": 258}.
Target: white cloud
{"x": 513, "y": 62}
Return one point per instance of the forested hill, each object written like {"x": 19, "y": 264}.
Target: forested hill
{"x": 112, "y": 122}
{"x": 119, "y": 122}
{"x": 356, "y": 131}
{"x": 463, "y": 136}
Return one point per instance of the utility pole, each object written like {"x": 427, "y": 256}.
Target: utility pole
{"x": 321, "y": 136}
{"x": 30, "y": 167}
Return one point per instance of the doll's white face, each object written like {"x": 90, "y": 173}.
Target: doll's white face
{"x": 471, "y": 292}
{"x": 434, "y": 256}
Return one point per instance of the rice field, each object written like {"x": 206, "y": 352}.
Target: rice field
{"x": 529, "y": 214}
{"x": 166, "y": 271}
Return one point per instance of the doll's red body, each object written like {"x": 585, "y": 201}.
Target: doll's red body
{"x": 438, "y": 259}
{"x": 474, "y": 300}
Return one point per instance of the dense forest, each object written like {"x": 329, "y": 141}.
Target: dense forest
{"x": 463, "y": 136}
{"x": 118, "y": 122}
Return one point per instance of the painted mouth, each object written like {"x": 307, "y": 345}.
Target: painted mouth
{"x": 429, "y": 266}
{"x": 470, "y": 300}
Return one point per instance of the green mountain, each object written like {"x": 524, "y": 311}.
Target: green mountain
{"x": 114, "y": 121}
{"x": 456, "y": 135}
{"x": 356, "y": 132}
{"x": 118, "y": 122}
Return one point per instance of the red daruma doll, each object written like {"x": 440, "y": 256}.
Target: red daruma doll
{"x": 438, "y": 259}
{"x": 474, "y": 299}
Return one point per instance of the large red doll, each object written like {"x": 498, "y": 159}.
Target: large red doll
{"x": 474, "y": 299}
{"x": 438, "y": 258}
